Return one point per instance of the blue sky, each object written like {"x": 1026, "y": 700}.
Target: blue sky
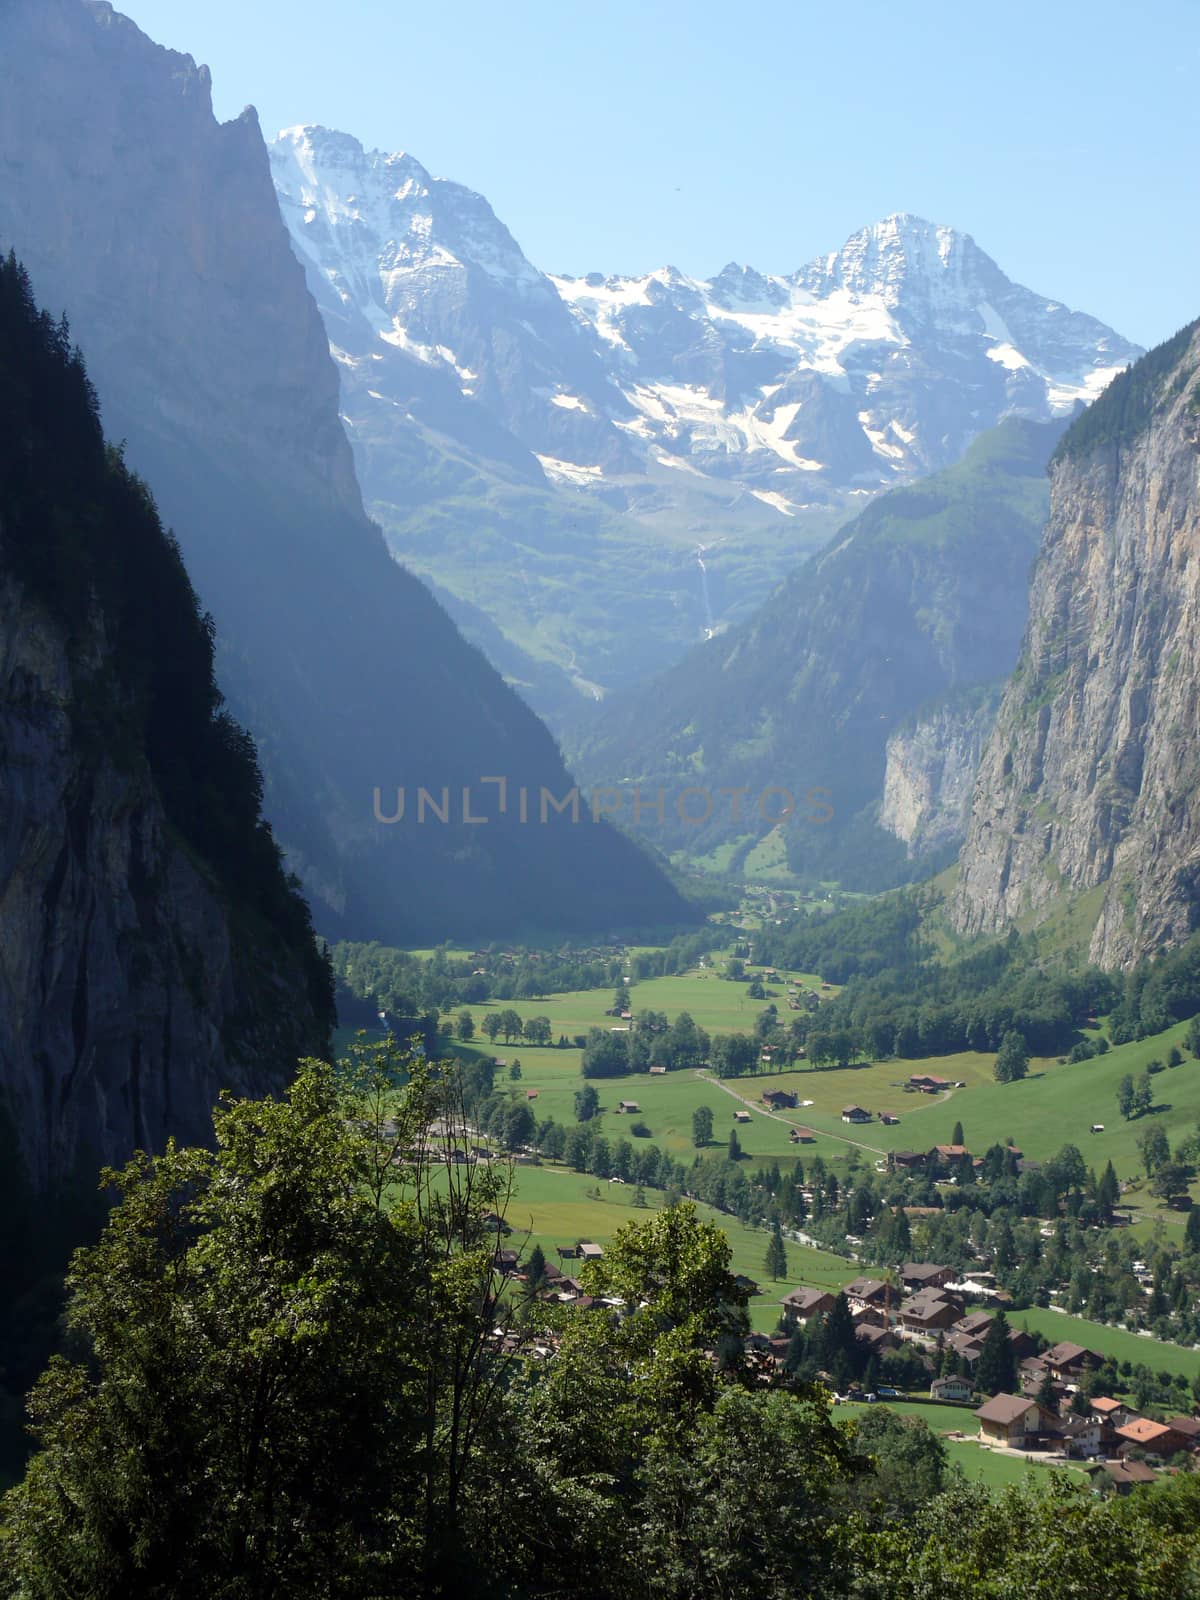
{"x": 616, "y": 136}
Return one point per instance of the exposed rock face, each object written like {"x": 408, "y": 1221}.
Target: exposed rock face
{"x": 126, "y": 1004}
{"x": 157, "y": 229}
{"x": 930, "y": 776}
{"x": 1090, "y": 777}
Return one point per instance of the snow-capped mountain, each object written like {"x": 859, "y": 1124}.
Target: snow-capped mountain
{"x": 513, "y": 428}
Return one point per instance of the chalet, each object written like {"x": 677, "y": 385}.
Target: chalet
{"x": 802, "y": 1136}
{"x": 1111, "y": 1412}
{"x": 925, "y": 1275}
{"x": 928, "y": 1084}
{"x": 1189, "y": 1429}
{"x": 906, "y": 1159}
{"x": 802, "y": 1304}
{"x": 1155, "y": 1438}
{"x": 1122, "y": 1476}
{"x": 929, "y": 1311}
{"x": 878, "y": 1340}
{"x": 948, "y": 1155}
{"x": 779, "y": 1099}
{"x": 862, "y": 1292}
{"x": 977, "y": 1323}
{"x": 1081, "y": 1437}
{"x": 855, "y": 1114}
{"x": 1067, "y": 1360}
{"x": 951, "y": 1388}
{"x": 627, "y": 1107}
{"x": 741, "y": 1116}
{"x": 1009, "y": 1419}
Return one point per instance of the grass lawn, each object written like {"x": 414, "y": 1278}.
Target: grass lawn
{"x": 553, "y": 1206}
{"x": 994, "y": 1468}
{"x": 1118, "y": 1343}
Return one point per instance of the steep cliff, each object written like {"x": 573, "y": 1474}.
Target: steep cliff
{"x": 1090, "y": 777}
{"x": 929, "y": 776}
{"x": 152, "y": 951}
{"x": 157, "y": 229}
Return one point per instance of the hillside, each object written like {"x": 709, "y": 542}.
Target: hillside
{"x": 920, "y": 600}
{"x": 152, "y": 951}
{"x": 157, "y": 229}
{"x": 1089, "y": 778}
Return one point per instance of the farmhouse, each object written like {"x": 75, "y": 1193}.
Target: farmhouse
{"x": 802, "y": 1304}
{"x": 1067, "y": 1360}
{"x": 802, "y": 1136}
{"x": 863, "y": 1292}
{"x": 880, "y": 1340}
{"x": 1009, "y": 1419}
{"x": 929, "y": 1311}
{"x": 928, "y": 1084}
{"x": 906, "y": 1159}
{"x": 951, "y": 1388}
{"x": 977, "y": 1324}
{"x": 948, "y": 1155}
{"x": 925, "y": 1275}
{"x": 1126, "y": 1475}
{"x": 779, "y": 1099}
{"x": 855, "y": 1114}
{"x": 1155, "y": 1438}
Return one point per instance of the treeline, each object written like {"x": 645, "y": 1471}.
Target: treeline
{"x": 410, "y": 985}
{"x": 297, "y": 1370}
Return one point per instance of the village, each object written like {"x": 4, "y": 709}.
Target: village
{"x": 1054, "y": 1413}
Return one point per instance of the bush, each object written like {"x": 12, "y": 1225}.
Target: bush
{"x": 639, "y": 1130}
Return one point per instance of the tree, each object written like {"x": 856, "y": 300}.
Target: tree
{"x": 735, "y": 1146}
{"x": 535, "y": 1269}
{"x": 1174, "y": 1056}
{"x": 587, "y": 1103}
{"x": 1143, "y": 1096}
{"x": 957, "y": 1136}
{"x": 1108, "y": 1192}
{"x": 518, "y": 1125}
{"x": 1046, "y": 1397}
{"x": 511, "y": 1025}
{"x": 639, "y": 1198}
{"x": 514, "y": 1072}
{"x": 702, "y": 1126}
{"x": 1193, "y": 1035}
{"x": 1012, "y": 1060}
{"x": 1154, "y": 1147}
{"x": 996, "y": 1369}
{"x": 1125, "y": 1096}
{"x": 272, "y": 1334}
{"x": 776, "y": 1260}
{"x": 465, "y": 1026}
{"x": 1191, "y": 1231}
{"x": 538, "y": 1030}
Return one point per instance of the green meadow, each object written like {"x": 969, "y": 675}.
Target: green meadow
{"x": 994, "y": 1468}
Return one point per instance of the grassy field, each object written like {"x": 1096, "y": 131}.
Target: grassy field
{"x": 990, "y": 1467}
{"x": 553, "y": 1206}
{"x": 1118, "y": 1343}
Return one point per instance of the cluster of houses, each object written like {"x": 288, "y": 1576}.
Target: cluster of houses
{"x": 928, "y": 1306}
{"x": 1111, "y": 1437}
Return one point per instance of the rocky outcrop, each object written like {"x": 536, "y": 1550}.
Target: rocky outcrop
{"x": 929, "y": 777}
{"x": 1091, "y": 776}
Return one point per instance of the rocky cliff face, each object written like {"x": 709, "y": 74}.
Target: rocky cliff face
{"x": 126, "y": 1003}
{"x": 158, "y": 230}
{"x": 929, "y": 777}
{"x": 1090, "y": 778}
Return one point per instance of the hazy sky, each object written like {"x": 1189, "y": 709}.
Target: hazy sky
{"x": 617, "y": 137}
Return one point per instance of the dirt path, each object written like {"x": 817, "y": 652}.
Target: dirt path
{"x": 775, "y": 1116}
